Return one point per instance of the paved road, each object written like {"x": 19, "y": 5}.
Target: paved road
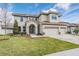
{"x": 67, "y": 37}
{"x": 72, "y": 52}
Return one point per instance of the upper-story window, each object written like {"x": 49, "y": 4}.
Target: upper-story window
{"x": 21, "y": 19}
{"x": 54, "y": 17}
{"x": 31, "y": 18}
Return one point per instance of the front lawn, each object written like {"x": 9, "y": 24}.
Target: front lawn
{"x": 26, "y": 46}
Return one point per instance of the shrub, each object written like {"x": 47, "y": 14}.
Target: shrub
{"x": 76, "y": 31}
{"x": 22, "y": 33}
{"x": 15, "y": 28}
{"x": 41, "y": 33}
{"x": 11, "y": 34}
{"x": 68, "y": 32}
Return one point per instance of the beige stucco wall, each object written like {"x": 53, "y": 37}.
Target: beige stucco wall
{"x": 43, "y": 18}
{"x": 21, "y": 23}
{"x": 49, "y": 18}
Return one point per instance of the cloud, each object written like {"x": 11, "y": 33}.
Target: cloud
{"x": 51, "y": 9}
{"x": 71, "y": 19}
{"x": 45, "y": 11}
{"x": 65, "y": 6}
{"x": 70, "y": 11}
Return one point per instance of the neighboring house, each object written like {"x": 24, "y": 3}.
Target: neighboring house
{"x": 47, "y": 23}
{"x": 9, "y": 28}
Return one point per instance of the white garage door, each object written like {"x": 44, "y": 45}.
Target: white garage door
{"x": 50, "y": 31}
{"x": 54, "y": 30}
{"x": 63, "y": 30}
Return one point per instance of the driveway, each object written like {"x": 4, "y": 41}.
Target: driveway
{"x": 67, "y": 37}
{"x": 72, "y": 52}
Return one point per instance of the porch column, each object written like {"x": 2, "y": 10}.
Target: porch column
{"x": 36, "y": 29}
{"x": 27, "y": 28}
{"x": 59, "y": 30}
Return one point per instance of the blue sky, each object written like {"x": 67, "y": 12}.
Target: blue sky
{"x": 31, "y": 7}
{"x": 69, "y": 11}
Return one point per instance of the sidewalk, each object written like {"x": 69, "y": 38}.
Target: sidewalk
{"x": 72, "y": 52}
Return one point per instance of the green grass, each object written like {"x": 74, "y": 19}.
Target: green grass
{"x": 76, "y": 34}
{"x": 26, "y": 46}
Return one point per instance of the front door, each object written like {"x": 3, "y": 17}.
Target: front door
{"x": 32, "y": 29}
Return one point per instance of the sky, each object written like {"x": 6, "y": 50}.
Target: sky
{"x": 69, "y": 11}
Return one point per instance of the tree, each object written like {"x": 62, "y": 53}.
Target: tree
{"x": 5, "y": 15}
{"x": 4, "y": 9}
{"x": 15, "y": 27}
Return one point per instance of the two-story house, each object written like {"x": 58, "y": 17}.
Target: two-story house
{"x": 47, "y": 23}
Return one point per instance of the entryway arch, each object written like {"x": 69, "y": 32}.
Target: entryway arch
{"x": 32, "y": 29}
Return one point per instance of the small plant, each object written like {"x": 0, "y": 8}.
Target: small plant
{"x": 22, "y": 33}
{"x": 68, "y": 32}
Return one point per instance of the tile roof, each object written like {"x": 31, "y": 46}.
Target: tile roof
{"x": 21, "y": 14}
{"x": 61, "y": 23}
{"x": 36, "y": 15}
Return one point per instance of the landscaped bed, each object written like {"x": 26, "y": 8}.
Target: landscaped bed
{"x": 26, "y": 46}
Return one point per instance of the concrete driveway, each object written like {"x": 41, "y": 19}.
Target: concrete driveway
{"x": 72, "y": 52}
{"x": 67, "y": 37}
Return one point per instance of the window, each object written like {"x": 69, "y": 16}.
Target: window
{"x": 31, "y": 18}
{"x": 24, "y": 28}
{"x": 19, "y": 28}
{"x": 54, "y": 17}
{"x": 21, "y": 19}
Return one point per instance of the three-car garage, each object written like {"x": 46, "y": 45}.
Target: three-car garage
{"x": 54, "y": 30}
